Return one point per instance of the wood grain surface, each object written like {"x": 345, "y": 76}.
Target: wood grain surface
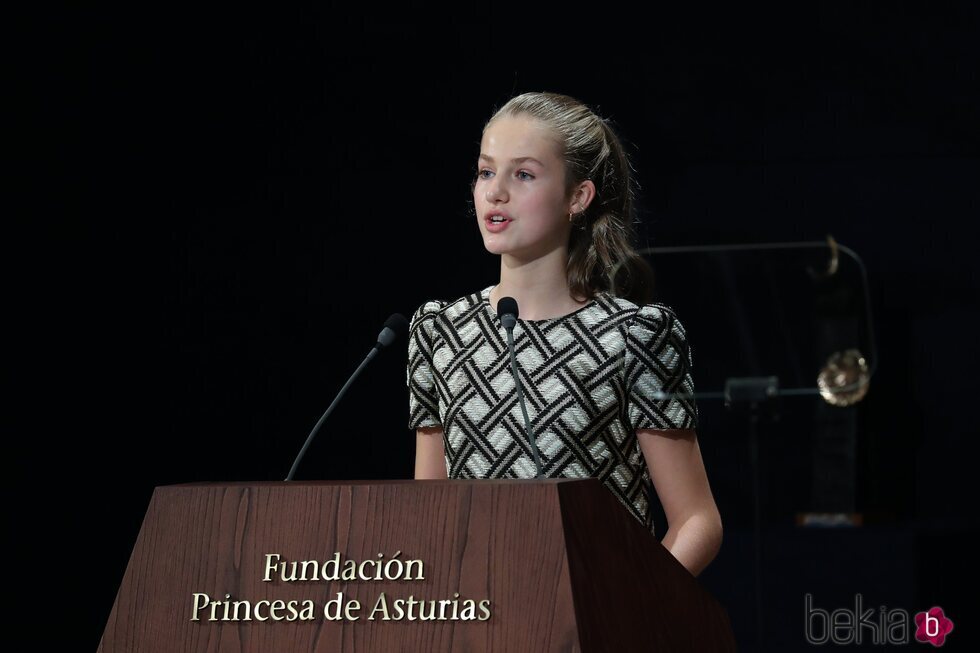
{"x": 506, "y": 541}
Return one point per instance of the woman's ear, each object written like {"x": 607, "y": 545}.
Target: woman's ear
{"x": 582, "y": 196}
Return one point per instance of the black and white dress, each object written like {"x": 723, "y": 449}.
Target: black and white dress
{"x": 590, "y": 378}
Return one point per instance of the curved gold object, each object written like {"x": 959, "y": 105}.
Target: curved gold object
{"x": 832, "y": 265}
{"x": 843, "y": 380}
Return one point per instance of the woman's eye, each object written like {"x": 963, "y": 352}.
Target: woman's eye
{"x": 480, "y": 174}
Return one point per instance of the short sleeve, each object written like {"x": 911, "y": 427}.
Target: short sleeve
{"x": 423, "y": 397}
{"x": 660, "y": 388}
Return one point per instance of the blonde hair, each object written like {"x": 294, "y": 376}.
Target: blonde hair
{"x": 601, "y": 255}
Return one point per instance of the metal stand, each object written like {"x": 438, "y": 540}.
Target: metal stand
{"x": 753, "y": 391}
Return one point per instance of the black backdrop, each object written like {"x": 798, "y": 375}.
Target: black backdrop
{"x": 224, "y": 206}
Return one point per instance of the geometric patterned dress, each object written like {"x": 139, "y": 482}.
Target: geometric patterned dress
{"x": 590, "y": 380}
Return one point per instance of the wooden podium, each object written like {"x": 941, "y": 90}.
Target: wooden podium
{"x": 558, "y": 564}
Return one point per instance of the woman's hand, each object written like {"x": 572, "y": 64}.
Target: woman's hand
{"x": 694, "y": 525}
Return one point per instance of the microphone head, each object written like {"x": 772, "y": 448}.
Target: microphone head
{"x": 395, "y": 327}
{"x": 507, "y": 306}
{"x": 398, "y": 324}
{"x": 507, "y": 312}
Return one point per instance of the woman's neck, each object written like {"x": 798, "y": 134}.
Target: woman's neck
{"x": 540, "y": 286}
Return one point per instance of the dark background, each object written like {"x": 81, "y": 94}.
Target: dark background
{"x": 224, "y": 206}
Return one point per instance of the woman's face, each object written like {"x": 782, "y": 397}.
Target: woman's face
{"x": 521, "y": 176}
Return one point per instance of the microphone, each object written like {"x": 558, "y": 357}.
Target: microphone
{"x": 507, "y": 311}
{"x": 395, "y": 326}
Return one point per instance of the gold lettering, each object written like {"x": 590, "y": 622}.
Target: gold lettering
{"x": 442, "y": 608}
{"x": 255, "y": 611}
{"x": 277, "y": 607}
{"x": 485, "y": 609}
{"x": 306, "y": 614}
{"x": 350, "y": 569}
{"x": 248, "y": 611}
{"x": 380, "y": 604}
{"x": 270, "y": 566}
{"x": 408, "y": 570}
{"x": 360, "y": 569}
{"x": 332, "y": 608}
{"x": 292, "y": 576}
{"x": 200, "y": 602}
{"x": 334, "y": 563}
{"x": 316, "y": 569}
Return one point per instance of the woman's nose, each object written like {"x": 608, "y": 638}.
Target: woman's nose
{"x": 495, "y": 190}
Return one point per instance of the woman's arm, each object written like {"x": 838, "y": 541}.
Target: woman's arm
{"x": 430, "y": 455}
{"x": 677, "y": 470}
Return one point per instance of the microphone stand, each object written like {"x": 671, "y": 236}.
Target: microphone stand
{"x": 323, "y": 418}
{"x": 753, "y": 390}
{"x": 520, "y": 400}
{"x": 507, "y": 310}
{"x": 395, "y": 326}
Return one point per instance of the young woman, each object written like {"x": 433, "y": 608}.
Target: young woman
{"x": 607, "y": 382}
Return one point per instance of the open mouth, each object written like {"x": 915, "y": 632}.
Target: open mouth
{"x": 496, "y": 223}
